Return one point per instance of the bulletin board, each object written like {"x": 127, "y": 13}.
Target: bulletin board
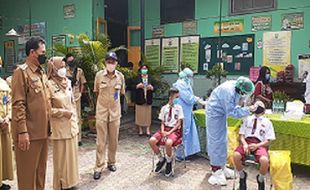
{"x": 237, "y": 52}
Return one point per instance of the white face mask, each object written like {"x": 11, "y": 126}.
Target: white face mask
{"x": 111, "y": 67}
{"x": 62, "y": 72}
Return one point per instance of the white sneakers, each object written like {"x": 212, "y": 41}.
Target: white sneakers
{"x": 229, "y": 173}
{"x": 219, "y": 177}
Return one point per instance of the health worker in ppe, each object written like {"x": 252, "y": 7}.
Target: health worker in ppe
{"x": 187, "y": 99}
{"x": 223, "y": 102}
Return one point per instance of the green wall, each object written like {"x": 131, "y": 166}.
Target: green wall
{"x": 207, "y": 12}
{"x": 16, "y": 13}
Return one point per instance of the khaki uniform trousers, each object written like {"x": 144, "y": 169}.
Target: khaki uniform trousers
{"x": 107, "y": 135}
{"x": 6, "y": 159}
{"x": 65, "y": 160}
{"x": 31, "y": 165}
{"x": 78, "y": 113}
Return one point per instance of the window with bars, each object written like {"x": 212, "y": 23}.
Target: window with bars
{"x": 238, "y": 7}
{"x": 172, "y": 11}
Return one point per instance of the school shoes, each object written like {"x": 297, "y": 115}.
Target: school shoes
{"x": 218, "y": 178}
{"x": 242, "y": 182}
{"x": 97, "y": 175}
{"x": 112, "y": 168}
{"x": 168, "y": 169}
{"x": 5, "y": 187}
{"x": 160, "y": 165}
{"x": 261, "y": 185}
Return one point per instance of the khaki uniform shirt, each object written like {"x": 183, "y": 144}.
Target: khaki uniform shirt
{"x": 80, "y": 80}
{"x": 30, "y": 106}
{"x": 62, "y": 100}
{"x": 109, "y": 91}
{"x": 5, "y": 107}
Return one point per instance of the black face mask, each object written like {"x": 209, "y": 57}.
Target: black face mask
{"x": 71, "y": 63}
{"x": 259, "y": 110}
{"x": 42, "y": 59}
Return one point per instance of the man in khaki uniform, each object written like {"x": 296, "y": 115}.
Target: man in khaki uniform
{"x": 6, "y": 160}
{"x": 30, "y": 117}
{"x": 78, "y": 80}
{"x": 109, "y": 85}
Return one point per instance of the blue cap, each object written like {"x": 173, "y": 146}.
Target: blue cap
{"x": 111, "y": 55}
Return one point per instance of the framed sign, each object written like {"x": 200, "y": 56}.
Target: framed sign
{"x": 277, "y": 50}
{"x": 292, "y": 21}
{"x": 57, "y": 41}
{"x": 170, "y": 54}
{"x": 158, "y": 31}
{"x": 152, "y": 52}
{"x": 69, "y": 11}
{"x": 37, "y": 29}
{"x": 190, "y": 52}
{"x": 9, "y": 55}
{"x": 229, "y": 26}
{"x": 260, "y": 23}
{"x": 189, "y": 27}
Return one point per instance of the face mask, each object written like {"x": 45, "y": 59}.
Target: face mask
{"x": 175, "y": 101}
{"x": 267, "y": 76}
{"x": 259, "y": 110}
{"x": 62, "y": 72}
{"x": 42, "y": 59}
{"x": 110, "y": 68}
{"x": 144, "y": 71}
{"x": 71, "y": 64}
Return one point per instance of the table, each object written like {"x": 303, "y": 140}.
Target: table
{"x": 290, "y": 135}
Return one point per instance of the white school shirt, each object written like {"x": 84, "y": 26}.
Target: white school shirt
{"x": 264, "y": 128}
{"x": 176, "y": 114}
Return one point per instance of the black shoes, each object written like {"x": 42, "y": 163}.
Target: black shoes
{"x": 242, "y": 182}
{"x": 168, "y": 169}
{"x": 160, "y": 165}
{"x": 112, "y": 168}
{"x": 97, "y": 175}
{"x": 5, "y": 187}
{"x": 261, "y": 185}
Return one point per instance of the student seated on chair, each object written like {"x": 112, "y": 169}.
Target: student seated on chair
{"x": 171, "y": 116}
{"x": 256, "y": 133}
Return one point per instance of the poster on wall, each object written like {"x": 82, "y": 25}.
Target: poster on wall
{"x": 9, "y": 55}
{"x": 229, "y": 26}
{"x": 292, "y": 21}
{"x": 170, "y": 54}
{"x": 190, "y": 52}
{"x": 21, "y": 56}
{"x": 152, "y": 52}
{"x": 158, "y": 31}
{"x": 277, "y": 50}
{"x": 57, "y": 41}
{"x": 189, "y": 27}
{"x": 37, "y": 29}
{"x": 69, "y": 11}
{"x": 260, "y": 23}
{"x": 303, "y": 65}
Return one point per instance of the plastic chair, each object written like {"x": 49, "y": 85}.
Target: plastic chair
{"x": 177, "y": 144}
{"x": 249, "y": 160}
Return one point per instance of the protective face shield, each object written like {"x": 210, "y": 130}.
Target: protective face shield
{"x": 245, "y": 86}
{"x": 189, "y": 76}
{"x": 62, "y": 72}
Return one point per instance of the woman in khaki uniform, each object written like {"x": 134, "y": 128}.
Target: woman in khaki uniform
{"x": 6, "y": 160}
{"x": 64, "y": 126}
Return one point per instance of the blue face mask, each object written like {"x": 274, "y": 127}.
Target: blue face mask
{"x": 175, "y": 101}
{"x": 267, "y": 77}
